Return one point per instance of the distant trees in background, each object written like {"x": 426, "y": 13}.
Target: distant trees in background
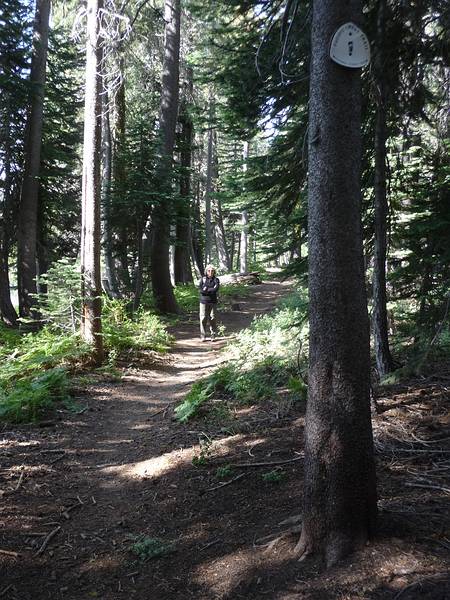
{"x": 177, "y": 185}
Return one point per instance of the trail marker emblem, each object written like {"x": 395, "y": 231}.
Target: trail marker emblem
{"x": 350, "y": 47}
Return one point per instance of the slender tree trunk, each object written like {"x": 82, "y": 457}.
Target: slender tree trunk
{"x": 209, "y": 182}
{"x": 7, "y": 311}
{"x": 90, "y": 233}
{"x": 196, "y": 229}
{"x": 339, "y": 487}
{"x": 219, "y": 228}
{"x": 110, "y": 279}
{"x": 383, "y": 356}
{"x": 119, "y": 177}
{"x": 232, "y": 249}
{"x": 161, "y": 284}
{"x": 182, "y": 263}
{"x": 27, "y": 230}
{"x": 243, "y": 267}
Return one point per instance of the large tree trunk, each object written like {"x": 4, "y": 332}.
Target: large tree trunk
{"x": 243, "y": 246}
{"x": 27, "y": 230}
{"x": 339, "y": 488}
{"x": 90, "y": 231}
{"x": 383, "y": 356}
{"x": 161, "y": 284}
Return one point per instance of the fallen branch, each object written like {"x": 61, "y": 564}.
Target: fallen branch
{"x": 158, "y": 412}
{"x": 6, "y": 589}
{"x": 67, "y": 510}
{"x": 49, "y": 537}
{"x": 419, "y": 583}
{"x": 429, "y": 486}
{"x": 210, "y": 544}
{"x": 216, "y": 487}
{"x": 266, "y": 464}
{"x": 9, "y": 553}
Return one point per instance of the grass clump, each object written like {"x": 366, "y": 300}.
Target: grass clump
{"x": 274, "y": 476}
{"x": 224, "y": 472}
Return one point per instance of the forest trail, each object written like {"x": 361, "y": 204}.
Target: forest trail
{"x": 94, "y": 480}
{"x": 79, "y": 494}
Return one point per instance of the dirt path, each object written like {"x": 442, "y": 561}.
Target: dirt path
{"x": 75, "y": 496}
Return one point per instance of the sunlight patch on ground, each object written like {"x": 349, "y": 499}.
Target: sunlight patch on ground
{"x": 160, "y": 465}
{"x": 153, "y": 467}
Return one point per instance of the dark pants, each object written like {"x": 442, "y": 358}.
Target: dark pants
{"x": 208, "y": 313}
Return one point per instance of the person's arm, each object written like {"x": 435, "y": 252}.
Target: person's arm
{"x": 216, "y": 286}
{"x": 202, "y": 287}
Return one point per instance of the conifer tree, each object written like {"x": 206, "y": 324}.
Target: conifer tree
{"x": 90, "y": 228}
{"x": 27, "y": 231}
{"x": 161, "y": 284}
{"x": 339, "y": 510}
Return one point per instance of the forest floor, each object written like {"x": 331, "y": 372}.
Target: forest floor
{"x": 80, "y": 492}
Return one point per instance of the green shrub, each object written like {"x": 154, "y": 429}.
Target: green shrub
{"x": 146, "y": 548}
{"x": 34, "y": 373}
{"x": 31, "y": 396}
{"x": 142, "y": 331}
{"x": 61, "y": 306}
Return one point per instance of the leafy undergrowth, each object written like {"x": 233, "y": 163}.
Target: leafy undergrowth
{"x": 35, "y": 371}
{"x": 142, "y": 331}
{"x": 263, "y": 359}
{"x": 36, "y": 367}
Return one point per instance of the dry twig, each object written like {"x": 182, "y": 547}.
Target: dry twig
{"x": 47, "y": 540}
{"x": 216, "y": 487}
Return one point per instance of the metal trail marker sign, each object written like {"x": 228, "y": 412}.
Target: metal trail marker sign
{"x": 350, "y": 47}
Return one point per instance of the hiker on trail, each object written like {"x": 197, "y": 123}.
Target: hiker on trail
{"x": 208, "y": 286}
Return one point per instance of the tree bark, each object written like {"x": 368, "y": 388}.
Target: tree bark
{"x": 27, "y": 230}
{"x": 383, "y": 357}
{"x": 91, "y": 328}
{"x": 161, "y": 284}
{"x": 339, "y": 488}
{"x": 243, "y": 246}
